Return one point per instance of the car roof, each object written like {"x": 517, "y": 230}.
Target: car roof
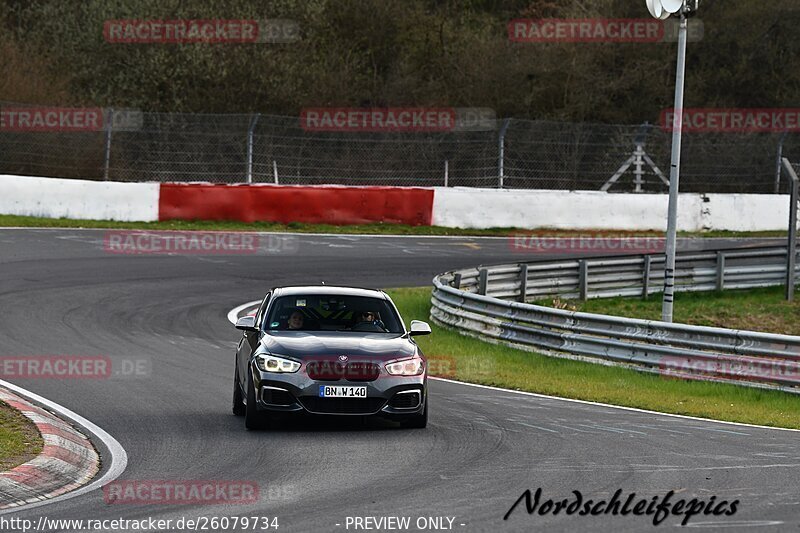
{"x": 328, "y": 290}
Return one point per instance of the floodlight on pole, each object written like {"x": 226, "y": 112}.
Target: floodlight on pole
{"x": 662, "y": 10}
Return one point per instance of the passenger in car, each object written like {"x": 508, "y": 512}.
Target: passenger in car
{"x": 296, "y": 320}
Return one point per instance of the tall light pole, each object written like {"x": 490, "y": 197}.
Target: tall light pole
{"x": 662, "y": 10}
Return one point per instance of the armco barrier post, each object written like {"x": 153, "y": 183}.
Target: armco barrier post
{"x": 646, "y": 277}
{"x": 523, "y": 281}
{"x": 791, "y": 248}
{"x": 583, "y": 279}
{"x": 720, "y": 271}
{"x": 483, "y": 278}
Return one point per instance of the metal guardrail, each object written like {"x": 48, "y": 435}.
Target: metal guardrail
{"x": 479, "y": 301}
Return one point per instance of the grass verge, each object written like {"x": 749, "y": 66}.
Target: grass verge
{"x": 368, "y": 229}
{"x": 471, "y": 360}
{"x": 20, "y": 441}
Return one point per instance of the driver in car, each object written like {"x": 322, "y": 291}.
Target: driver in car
{"x": 369, "y": 317}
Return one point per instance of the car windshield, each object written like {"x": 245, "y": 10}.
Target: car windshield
{"x": 325, "y": 312}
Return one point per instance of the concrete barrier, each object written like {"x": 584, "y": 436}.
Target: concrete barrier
{"x": 79, "y": 199}
{"x": 441, "y": 206}
{"x": 577, "y": 210}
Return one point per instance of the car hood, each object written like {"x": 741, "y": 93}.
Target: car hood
{"x": 304, "y": 344}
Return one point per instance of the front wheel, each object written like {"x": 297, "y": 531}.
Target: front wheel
{"x": 238, "y": 401}
{"x": 418, "y": 421}
{"x": 252, "y": 418}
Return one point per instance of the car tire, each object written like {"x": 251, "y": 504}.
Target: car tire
{"x": 418, "y": 421}
{"x": 253, "y": 419}
{"x": 238, "y": 401}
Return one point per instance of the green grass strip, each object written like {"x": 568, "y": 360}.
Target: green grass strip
{"x": 20, "y": 441}
{"x": 474, "y": 361}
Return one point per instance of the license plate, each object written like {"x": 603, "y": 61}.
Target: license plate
{"x": 342, "y": 391}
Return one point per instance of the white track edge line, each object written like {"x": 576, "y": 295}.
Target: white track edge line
{"x": 118, "y": 460}
{"x": 624, "y": 408}
{"x": 233, "y": 314}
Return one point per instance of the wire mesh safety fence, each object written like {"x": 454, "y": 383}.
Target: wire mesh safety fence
{"x": 514, "y": 153}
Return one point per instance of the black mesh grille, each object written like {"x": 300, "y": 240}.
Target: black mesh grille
{"x": 407, "y": 400}
{"x": 342, "y": 405}
{"x": 277, "y": 397}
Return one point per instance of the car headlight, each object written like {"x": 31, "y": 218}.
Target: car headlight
{"x": 406, "y": 367}
{"x": 270, "y": 363}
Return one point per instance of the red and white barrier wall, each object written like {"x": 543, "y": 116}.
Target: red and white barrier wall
{"x": 277, "y": 203}
{"x": 440, "y": 206}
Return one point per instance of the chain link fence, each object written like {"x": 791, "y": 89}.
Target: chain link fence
{"x": 516, "y": 153}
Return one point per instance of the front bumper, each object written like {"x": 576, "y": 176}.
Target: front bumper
{"x": 387, "y": 396}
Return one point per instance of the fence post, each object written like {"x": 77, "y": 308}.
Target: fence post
{"x": 646, "y": 276}
{"x": 275, "y": 171}
{"x": 483, "y": 278}
{"x": 523, "y": 281}
{"x": 107, "y": 154}
{"x": 446, "y": 172}
{"x": 778, "y": 162}
{"x": 250, "y": 130}
{"x": 720, "y": 271}
{"x": 638, "y": 170}
{"x": 501, "y": 150}
{"x": 791, "y": 248}
{"x": 583, "y": 279}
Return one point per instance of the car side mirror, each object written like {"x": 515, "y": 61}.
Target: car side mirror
{"x": 246, "y": 323}
{"x": 418, "y": 327}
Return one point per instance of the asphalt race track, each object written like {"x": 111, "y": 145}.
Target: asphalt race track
{"x": 61, "y": 293}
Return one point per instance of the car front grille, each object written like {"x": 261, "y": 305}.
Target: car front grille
{"x": 365, "y": 406}
{"x": 405, "y": 400}
{"x": 353, "y": 371}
